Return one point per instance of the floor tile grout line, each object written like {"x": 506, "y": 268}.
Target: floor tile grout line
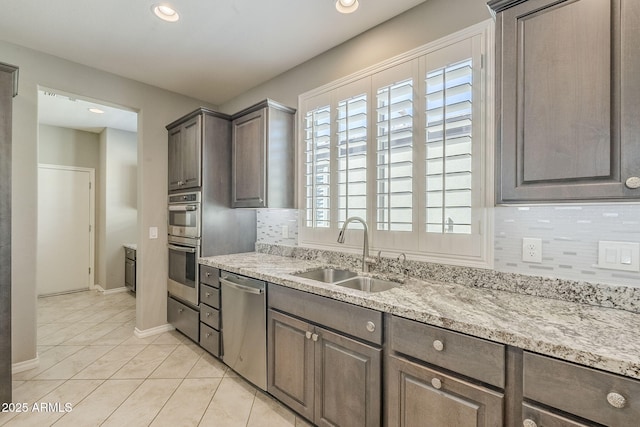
{"x": 210, "y": 401}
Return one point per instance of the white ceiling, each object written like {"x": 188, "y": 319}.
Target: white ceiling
{"x": 216, "y": 51}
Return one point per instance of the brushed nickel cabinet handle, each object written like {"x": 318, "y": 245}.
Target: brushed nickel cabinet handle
{"x": 208, "y": 294}
{"x": 208, "y": 334}
{"x": 436, "y": 383}
{"x": 529, "y": 423}
{"x": 308, "y": 335}
{"x": 314, "y": 337}
{"x": 371, "y": 327}
{"x": 616, "y": 400}
{"x": 208, "y": 313}
{"x": 438, "y": 345}
{"x": 208, "y": 274}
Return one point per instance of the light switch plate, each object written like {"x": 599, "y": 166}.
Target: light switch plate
{"x": 153, "y": 232}
{"x": 623, "y": 256}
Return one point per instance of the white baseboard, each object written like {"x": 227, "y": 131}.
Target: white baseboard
{"x": 110, "y": 291}
{"x": 25, "y": 366}
{"x": 153, "y": 331}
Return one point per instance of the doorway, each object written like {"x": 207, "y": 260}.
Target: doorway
{"x": 66, "y": 212}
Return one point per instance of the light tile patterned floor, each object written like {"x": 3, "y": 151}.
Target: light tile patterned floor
{"x": 91, "y": 360}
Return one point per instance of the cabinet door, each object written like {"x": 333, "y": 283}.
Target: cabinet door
{"x": 175, "y": 158}
{"x": 290, "y": 361}
{"x": 191, "y": 149}
{"x": 248, "y": 171}
{"x": 347, "y": 381}
{"x": 130, "y": 274}
{"x": 418, "y": 396}
{"x": 563, "y": 133}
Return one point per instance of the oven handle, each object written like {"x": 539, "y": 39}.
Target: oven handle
{"x": 183, "y": 208}
{"x": 182, "y": 249}
{"x": 242, "y": 288}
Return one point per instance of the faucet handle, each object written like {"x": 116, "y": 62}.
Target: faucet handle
{"x": 379, "y": 257}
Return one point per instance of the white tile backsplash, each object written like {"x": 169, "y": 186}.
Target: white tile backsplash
{"x": 569, "y": 233}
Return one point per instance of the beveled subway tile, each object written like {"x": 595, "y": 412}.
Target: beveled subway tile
{"x": 207, "y": 367}
{"x": 267, "y": 411}
{"x": 231, "y": 404}
{"x": 69, "y": 393}
{"x": 110, "y": 363}
{"x": 75, "y": 363}
{"x": 100, "y": 404}
{"x": 144, "y": 404}
{"x": 145, "y": 362}
{"x": 178, "y": 363}
{"x": 188, "y": 404}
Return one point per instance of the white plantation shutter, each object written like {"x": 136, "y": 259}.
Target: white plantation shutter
{"x": 449, "y": 116}
{"x": 394, "y": 148}
{"x": 352, "y": 158}
{"x": 317, "y": 166}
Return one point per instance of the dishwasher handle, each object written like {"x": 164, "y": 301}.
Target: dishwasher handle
{"x": 243, "y": 288}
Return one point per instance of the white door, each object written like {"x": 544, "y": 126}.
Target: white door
{"x": 65, "y": 229}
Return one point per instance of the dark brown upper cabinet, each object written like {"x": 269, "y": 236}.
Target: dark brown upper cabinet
{"x": 568, "y": 100}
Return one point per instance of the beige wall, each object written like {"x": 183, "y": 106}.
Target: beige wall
{"x": 118, "y": 219}
{"x": 424, "y": 23}
{"x": 156, "y": 108}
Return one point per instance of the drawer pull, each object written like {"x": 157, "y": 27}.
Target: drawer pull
{"x": 529, "y": 423}
{"x": 436, "y": 383}
{"x": 208, "y": 294}
{"x": 308, "y": 335}
{"x": 208, "y": 334}
{"x": 616, "y": 400}
{"x": 632, "y": 182}
{"x": 314, "y": 337}
{"x": 208, "y": 314}
{"x": 438, "y": 345}
{"x": 208, "y": 274}
{"x": 180, "y": 310}
{"x": 371, "y": 327}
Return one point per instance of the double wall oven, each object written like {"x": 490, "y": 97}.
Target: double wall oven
{"x": 184, "y": 236}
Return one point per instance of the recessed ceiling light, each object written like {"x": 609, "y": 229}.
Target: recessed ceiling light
{"x": 347, "y": 6}
{"x": 165, "y": 12}
{"x": 96, "y": 110}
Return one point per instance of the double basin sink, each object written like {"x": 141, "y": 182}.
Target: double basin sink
{"x": 348, "y": 279}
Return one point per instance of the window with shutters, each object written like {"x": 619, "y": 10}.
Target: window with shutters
{"x": 404, "y": 145}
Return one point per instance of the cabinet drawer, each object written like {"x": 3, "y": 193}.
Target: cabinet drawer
{"x": 210, "y": 275}
{"x": 210, "y": 316}
{"x": 543, "y": 418}
{"x": 350, "y": 319}
{"x": 420, "y": 396}
{"x": 473, "y": 357}
{"x": 210, "y": 296}
{"x": 582, "y": 391}
{"x": 183, "y": 318}
{"x": 210, "y": 339}
{"x": 130, "y": 253}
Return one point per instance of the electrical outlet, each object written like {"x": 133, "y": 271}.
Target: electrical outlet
{"x": 532, "y": 250}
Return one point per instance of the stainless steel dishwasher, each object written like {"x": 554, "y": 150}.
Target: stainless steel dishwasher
{"x": 244, "y": 326}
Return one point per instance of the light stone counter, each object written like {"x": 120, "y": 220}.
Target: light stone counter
{"x": 598, "y": 337}
{"x": 133, "y": 246}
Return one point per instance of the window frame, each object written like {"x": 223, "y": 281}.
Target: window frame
{"x": 417, "y": 244}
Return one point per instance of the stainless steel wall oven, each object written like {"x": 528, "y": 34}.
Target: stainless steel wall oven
{"x": 183, "y": 268}
{"x": 185, "y": 215}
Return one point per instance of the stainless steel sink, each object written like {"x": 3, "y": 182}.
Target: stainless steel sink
{"x": 327, "y": 275}
{"x": 368, "y": 284}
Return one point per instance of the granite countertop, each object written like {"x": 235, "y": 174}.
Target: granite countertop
{"x": 131, "y": 246}
{"x": 598, "y": 337}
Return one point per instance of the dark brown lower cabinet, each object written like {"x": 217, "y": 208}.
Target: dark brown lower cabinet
{"x": 330, "y": 379}
{"x": 417, "y": 396}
